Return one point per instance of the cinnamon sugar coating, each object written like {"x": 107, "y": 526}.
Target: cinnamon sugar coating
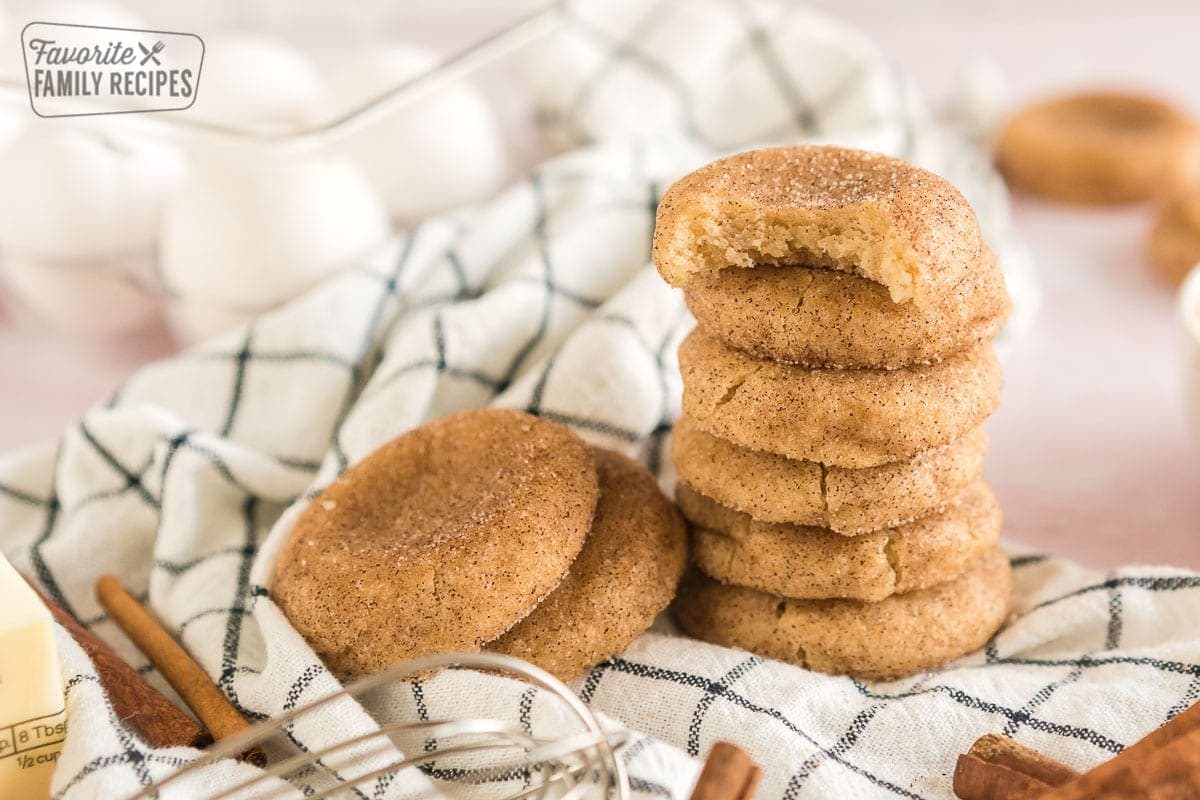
{"x": 820, "y": 206}
{"x": 805, "y": 562}
{"x": 824, "y": 318}
{"x": 624, "y": 576}
{"x": 440, "y": 540}
{"x": 900, "y": 635}
{"x": 846, "y": 418}
{"x": 774, "y": 488}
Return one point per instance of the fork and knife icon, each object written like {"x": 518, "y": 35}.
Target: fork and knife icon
{"x": 151, "y": 53}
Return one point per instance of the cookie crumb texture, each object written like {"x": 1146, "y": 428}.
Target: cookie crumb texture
{"x": 818, "y": 206}
{"x": 774, "y": 488}
{"x": 625, "y": 575}
{"x": 845, "y": 418}
{"x": 898, "y": 636}
{"x": 805, "y": 562}
{"x": 440, "y": 540}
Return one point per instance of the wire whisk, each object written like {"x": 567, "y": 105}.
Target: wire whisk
{"x": 490, "y": 754}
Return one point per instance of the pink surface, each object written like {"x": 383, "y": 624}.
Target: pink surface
{"x": 51, "y": 377}
{"x": 1091, "y": 453}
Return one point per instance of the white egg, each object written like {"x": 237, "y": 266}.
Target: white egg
{"x": 73, "y": 12}
{"x": 72, "y": 194}
{"x": 11, "y": 63}
{"x": 193, "y": 321}
{"x": 87, "y": 12}
{"x": 93, "y": 296}
{"x": 248, "y": 235}
{"x": 79, "y": 224}
{"x": 11, "y": 124}
{"x": 258, "y": 82}
{"x": 441, "y": 151}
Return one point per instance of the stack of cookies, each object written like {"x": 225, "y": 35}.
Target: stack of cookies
{"x": 830, "y": 449}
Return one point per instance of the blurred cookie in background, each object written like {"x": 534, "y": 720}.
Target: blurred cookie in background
{"x": 1100, "y": 148}
{"x": 1174, "y": 241}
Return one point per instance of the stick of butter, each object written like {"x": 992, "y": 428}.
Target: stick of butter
{"x": 32, "y": 718}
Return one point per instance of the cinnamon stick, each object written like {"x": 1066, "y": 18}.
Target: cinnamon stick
{"x": 728, "y": 774}
{"x": 977, "y": 779}
{"x": 752, "y": 784}
{"x": 998, "y": 768}
{"x": 997, "y": 749}
{"x": 1163, "y": 765}
{"x": 157, "y": 720}
{"x": 204, "y": 697}
{"x": 1168, "y": 768}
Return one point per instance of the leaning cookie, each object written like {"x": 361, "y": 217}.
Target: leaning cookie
{"x": 817, "y": 317}
{"x": 1175, "y": 239}
{"x": 624, "y": 576}
{"x": 804, "y": 562}
{"x": 1098, "y": 148}
{"x": 867, "y": 213}
{"x": 846, "y": 418}
{"x": 440, "y": 540}
{"x": 774, "y": 488}
{"x": 897, "y": 636}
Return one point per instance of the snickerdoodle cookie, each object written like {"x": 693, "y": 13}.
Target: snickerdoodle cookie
{"x": 774, "y": 488}
{"x": 1175, "y": 239}
{"x": 804, "y": 562}
{"x": 900, "y": 635}
{"x": 1098, "y": 148}
{"x": 846, "y": 418}
{"x": 624, "y": 576}
{"x": 442, "y": 539}
{"x": 814, "y": 206}
{"x": 819, "y": 317}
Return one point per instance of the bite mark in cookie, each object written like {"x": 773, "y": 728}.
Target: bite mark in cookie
{"x": 820, "y": 206}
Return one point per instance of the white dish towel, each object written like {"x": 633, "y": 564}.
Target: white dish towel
{"x": 188, "y": 480}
